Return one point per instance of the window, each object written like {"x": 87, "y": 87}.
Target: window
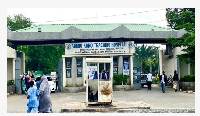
{"x": 115, "y": 66}
{"x": 68, "y": 62}
{"x": 79, "y": 67}
{"x": 49, "y": 78}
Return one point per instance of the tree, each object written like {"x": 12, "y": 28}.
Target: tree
{"x": 183, "y": 18}
{"x": 43, "y": 58}
{"x": 18, "y": 22}
{"x": 143, "y": 54}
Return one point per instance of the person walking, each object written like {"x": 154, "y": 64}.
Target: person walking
{"x": 44, "y": 96}
{"x": 149, "y": 80}
{"x": 32, "y": 96}
{"x": 170, "y": 81}
{"x": 163, "y": 80}
{"x": 27, "y": 80}
{"x": 175, "y": 81}
{"x": 23, "y": 84}
{"x": 38, "y": 82}
{"x": 56, "y": 80}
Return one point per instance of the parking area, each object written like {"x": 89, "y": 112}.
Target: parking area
{"x": 154, "y": 97}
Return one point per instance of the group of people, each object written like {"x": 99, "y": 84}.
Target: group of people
{"x": 163, "y": 80}
{"x": 39, "y": 96}
{"x": 103, "y": 75}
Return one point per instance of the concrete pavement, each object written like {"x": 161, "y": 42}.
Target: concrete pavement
{"x": 155, "y": 98}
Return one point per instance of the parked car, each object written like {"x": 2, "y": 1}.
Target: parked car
{"x": 51, "y": 83}
{"x": 143, "y": 78}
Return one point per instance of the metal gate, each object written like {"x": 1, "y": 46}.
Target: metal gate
{"x": 17, "y": 76}
{"x": 137, "y": 79}
{"x": 137, "y": 82}
{"x": 60, "y": 75}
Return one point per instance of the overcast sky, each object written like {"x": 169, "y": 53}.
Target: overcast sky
{"x": 153, "y": 16}
{"x": 42, "y": 15}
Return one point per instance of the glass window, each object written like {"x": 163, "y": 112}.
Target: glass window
{"x": 79, "y": 67}
{"x": 68, "y": 73}
{"x": 79, "y": 62}
{"x": 115, "y": 62}
{"x": 115, "y": 66}
{"x": 125, "y": 59}
{"x": 68, "y": 62}
{"x": 49, "y": 78}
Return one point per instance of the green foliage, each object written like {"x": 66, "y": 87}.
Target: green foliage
{"x": 43, "y": 58}
{"x": 10, "y": 82}
{"x": 143, "y": 54}
{"x": 18, "y": 22}
{"x": 119, "y": 78}
{"x": 156, "y": 80}
{"x": 183, "y": 18}
{"x": 125, "y": 79}
{"x": 188, "y": 78}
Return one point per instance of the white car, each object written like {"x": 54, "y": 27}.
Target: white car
{"x": 51, "y": 83}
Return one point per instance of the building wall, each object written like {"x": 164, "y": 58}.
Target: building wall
{"x": 9, "y": 69}
{"x": 68, "y": 81}
{"x": 11, "y": 53}
{"x": 170, "y": 64}
{"x": 183, "y": 69}
{"x": 11, "y": 56}
{"x": 79, "y": 81}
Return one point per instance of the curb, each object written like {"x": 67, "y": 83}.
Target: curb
{"x": 156, "y": 111}
{"x": 100, "y": 109}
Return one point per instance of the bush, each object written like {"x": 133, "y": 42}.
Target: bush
{"x": 155, "y": 80}
{"x": 125, "y": 80}
{"x": 10, "y": 82}
{"x": 188, "y": 78}
{"x": 120, "y": 78}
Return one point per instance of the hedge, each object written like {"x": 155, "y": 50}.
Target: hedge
{"x": 10, "y": 82}
{"x": 188, "y": 78}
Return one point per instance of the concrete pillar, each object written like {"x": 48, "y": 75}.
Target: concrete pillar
{"x": 131, "y": 69}
{"x": 64, "y": 73}
{"x": 84, "y": 74}
{"x": 178, "y": 67}
{"x": 111, "y": 70}
{"x": 120, "y": 64}
{"x": 188, "y": 69}
{"x": 160, "y": 61}
{"x": 74, "y": 71}
{"x": 13, "y": 63}
{"x": 23, "y": 63}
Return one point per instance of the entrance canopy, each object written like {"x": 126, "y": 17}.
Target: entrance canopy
{"x": 66, "y": 33}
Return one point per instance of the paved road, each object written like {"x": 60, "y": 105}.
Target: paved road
{"x": 154, "y": 97}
